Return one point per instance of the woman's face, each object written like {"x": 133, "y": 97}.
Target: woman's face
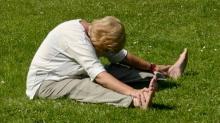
{"x": 103, "y": 52}
{"x": 99, "y": 53}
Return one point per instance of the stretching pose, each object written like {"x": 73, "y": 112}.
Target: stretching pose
{"x": 67, "y": 65}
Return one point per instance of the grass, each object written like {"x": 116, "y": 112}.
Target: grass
{"x": 156, "y": 30}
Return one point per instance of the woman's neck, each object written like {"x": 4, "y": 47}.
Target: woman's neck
{"x": 85, "y": 25}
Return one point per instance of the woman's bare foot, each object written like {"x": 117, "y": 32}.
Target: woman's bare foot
{"x": 153, "y": 83}
{"x": 153, "y": 87}
{"x": 148, "y": 93}
{"x": 149, "y": 97}
{"x": 178, "y": 68}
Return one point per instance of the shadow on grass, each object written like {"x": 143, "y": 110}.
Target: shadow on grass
{"x": 163, "y": 107}
{"x": 191, "y": 73}
{"x": 167, "y": 84}
{"x": 161, "y": 84}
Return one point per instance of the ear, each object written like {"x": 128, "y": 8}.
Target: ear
{"x": 89, "y": 31}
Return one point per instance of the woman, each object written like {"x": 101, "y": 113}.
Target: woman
{"x": 67, "y": 64}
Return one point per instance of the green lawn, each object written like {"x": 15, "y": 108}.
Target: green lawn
{"x": 157, "y": 30}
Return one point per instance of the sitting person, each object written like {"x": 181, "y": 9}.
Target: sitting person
{"x": 67, "y": 65}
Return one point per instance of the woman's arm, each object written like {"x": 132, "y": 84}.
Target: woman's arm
{"x": 137, "y": 62}
{"x": 110, "y": 82}
{"x": 142, "y": 64}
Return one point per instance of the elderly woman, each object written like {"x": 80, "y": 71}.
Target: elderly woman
{"x": 67, "y": 65}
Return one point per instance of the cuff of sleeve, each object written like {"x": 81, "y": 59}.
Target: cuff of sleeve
{"x": 95, "y": 73}
{"x": 123, "y": 55}
{"x": 114, "y": 58}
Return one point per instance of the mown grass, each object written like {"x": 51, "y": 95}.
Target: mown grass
{"x": 156, "y": 30}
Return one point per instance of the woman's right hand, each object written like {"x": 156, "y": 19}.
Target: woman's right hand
{"x": 139, "y": 96}
{"x": 142, "y": 98}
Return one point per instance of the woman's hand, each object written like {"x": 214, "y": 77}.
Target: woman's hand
{"x": 142, "y": 98}
{"x": 139, "y": 97}
{"x": 163, "y": 69}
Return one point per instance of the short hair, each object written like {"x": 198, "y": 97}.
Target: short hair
{"x": 107, "y": 34}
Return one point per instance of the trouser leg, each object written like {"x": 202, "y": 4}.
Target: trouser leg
{"x": 82, "y": 90}
{"x": 128, "y": 74}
